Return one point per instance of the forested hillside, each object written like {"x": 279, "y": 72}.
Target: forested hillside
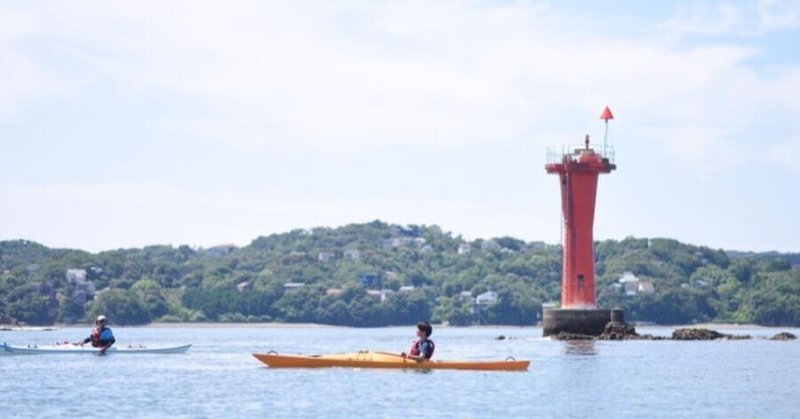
{"x": 378, "y": 274}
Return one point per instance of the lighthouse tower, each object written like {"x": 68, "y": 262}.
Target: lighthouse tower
{"x": 578, "y": 170}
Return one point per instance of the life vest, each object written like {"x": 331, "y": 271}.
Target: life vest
{"x": 95, "y": 336}
{"x": 415, "y": 348}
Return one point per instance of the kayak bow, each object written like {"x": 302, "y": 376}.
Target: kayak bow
{"x": 367, "y": 359}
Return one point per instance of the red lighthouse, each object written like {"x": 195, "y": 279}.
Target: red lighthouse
{"x": 578, "y": 173}
{"x": 578, "y": 170}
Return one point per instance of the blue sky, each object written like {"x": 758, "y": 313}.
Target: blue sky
{"x": 125, "y": 124}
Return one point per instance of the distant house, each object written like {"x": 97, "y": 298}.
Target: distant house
{"x": 84, "y": 289}
{"x": 407, "y": 288}
{"x": 628, "y": 276}
{"x": 630, "y": 283}
{"x": 488, "y": 298}
{"x": 631, "y": 288}
{"x": 396, "y": 241}
{"x": 352, "y": 255}
{"x": 402, "y": 241}
{"x": 334, "y": 291}
{"x": 464, "y": 248}
{"x": 75, "y": 276}
{"x": 293, "y": 286}
{"x": 380, "y": 294}
{"x": 242, "y": 286}
{"x": 295, "y": 257}
{"x": 326, "y": 257}
{"x": 646, "y": 287}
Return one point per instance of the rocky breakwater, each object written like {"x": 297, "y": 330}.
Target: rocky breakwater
{"x": 625, "y": 331}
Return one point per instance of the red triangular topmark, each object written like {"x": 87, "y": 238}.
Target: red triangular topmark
{"x": 606, "y": 114}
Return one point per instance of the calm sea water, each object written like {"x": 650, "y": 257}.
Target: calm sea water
{"x": 219, "y": 378}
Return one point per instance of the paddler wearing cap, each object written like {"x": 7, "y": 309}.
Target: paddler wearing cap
{"x": 101, "y": 337}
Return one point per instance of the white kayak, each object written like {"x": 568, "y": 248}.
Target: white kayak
{"x": 69, "y": 348}
{"x": 27, "y": 329}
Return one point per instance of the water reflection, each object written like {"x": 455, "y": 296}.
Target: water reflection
{"x": 580, "y": 347}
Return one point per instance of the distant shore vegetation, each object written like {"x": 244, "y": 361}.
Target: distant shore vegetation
{"x": 379, "y": 274}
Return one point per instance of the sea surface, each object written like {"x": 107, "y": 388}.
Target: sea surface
{"x": 218, "y": 377}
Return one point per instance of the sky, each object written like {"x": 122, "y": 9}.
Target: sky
{"x": 128, "y": 124}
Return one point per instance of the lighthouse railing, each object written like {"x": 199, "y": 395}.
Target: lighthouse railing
{"x": 555, "y": 154}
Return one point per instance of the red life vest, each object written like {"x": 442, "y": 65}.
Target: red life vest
{"x": 415, "y": 348}
{"x": 95, "y": 336}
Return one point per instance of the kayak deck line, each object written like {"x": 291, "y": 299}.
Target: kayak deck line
{"x": 368, "y": 359}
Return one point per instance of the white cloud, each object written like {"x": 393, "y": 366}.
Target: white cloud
{"x": 786, "y": 154}
{"x": 339, "y": 81}
{"x": 775, "y": 15}
{"x": 22, "y": 79}
{"x": 701, "y": 149}
{"x": 746, "y": 20}
{"x": 338, "y": 77}
{"x": 705, "y": 19}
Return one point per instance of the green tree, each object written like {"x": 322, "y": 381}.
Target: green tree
{"x": 121, "y": 307}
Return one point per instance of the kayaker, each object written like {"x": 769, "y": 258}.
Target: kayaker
{"x": 422, "y": 348}
{"x": 102, "y": 337}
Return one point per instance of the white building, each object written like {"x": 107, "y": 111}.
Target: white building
{"x": 76, "y": 275}
{"x": 646, "y": 287}
{"x": 630, "y": 283}
{"x": 292, "y": 286}
{"x": 488, "y": 298}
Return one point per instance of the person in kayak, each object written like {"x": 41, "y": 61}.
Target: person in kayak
{"x": 102, "y": 337}
{"x": 422, "y": 348}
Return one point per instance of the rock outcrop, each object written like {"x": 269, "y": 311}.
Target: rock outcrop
{"x": 784, "y": 336}
{"x": 619, "y": 331}
{"x": 703, "y": 334}
{"x": 625, "y": 331}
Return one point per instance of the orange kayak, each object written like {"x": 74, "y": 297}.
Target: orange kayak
{"x": 367, "y": 359}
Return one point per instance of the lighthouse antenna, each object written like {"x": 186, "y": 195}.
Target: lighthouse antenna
{"x": 606, "y": 115}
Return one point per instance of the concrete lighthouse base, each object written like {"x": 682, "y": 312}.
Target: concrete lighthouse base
{"x": 579, "y": 321}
